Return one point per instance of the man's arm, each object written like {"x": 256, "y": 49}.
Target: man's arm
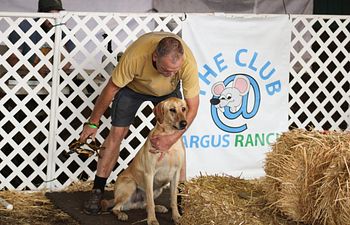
{"x": 164, "y": 142}
{"x": 192, "y": 104}
{"x": 101, "y": 105}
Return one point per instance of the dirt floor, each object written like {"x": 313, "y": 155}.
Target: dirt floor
{"x": 32, "y": 209}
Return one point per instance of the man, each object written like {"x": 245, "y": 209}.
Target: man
{"x": 150, "y": 70}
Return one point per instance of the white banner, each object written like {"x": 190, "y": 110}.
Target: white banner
{"x": 243, "y": 69}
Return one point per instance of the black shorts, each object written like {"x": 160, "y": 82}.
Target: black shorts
{"x": 127, "y": 102}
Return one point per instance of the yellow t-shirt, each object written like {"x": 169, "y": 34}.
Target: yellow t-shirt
{"x": 135, "y": 69}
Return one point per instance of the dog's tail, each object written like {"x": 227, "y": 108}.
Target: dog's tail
{"x": 107, "y": 205}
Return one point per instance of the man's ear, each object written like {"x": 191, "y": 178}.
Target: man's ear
{"x": 154, "y": 56}
{"x": 159, "y": 112}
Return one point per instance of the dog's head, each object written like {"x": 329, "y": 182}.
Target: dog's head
{"x": 171, "y": 113}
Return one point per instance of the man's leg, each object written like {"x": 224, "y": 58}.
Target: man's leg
{"x": 183, "y": 170}
{"x": 105, "y": 164}
{"x": 110, "y": 154}
{"x": 181, "y": 184}
{"x": 124, "y": 108}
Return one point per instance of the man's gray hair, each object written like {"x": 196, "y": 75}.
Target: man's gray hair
{"x": 170, "y": 45}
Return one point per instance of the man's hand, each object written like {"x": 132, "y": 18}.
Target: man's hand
{"x": 162, "y": 143}
{"x": 102, "y": 103}
{"x": 87, "y": 133}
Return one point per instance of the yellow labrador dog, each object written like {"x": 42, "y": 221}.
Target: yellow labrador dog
{"x": 144, "y": 179}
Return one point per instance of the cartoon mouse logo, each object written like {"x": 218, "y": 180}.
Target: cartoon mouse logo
{"x": 230, "y": 96}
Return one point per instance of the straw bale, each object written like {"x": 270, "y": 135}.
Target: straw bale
{"x": 307, "y": 176}
{"x": 219, "y": 200}
{"x": 333, "y": 199}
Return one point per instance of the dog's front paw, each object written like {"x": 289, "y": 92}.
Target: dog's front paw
{"x": 152, "y": 222}
{"x": 161, "y": 209}
{"x": 121, "y": 215}
{"x": 176, "y": 218}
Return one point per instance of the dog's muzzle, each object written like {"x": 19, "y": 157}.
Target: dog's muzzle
{"x": 182, "y": 125}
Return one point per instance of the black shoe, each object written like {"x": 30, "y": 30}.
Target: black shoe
{"x": 180, "y": 200}
{"x": 180, "y": 205}
{"x": 93, "y": 205}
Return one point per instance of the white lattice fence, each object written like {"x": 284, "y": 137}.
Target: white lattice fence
{"x": 320, "y": 72}
{"x": 26, "y": 99}
{"x": 42, "y": 111}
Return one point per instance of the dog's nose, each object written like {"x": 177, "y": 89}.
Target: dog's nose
{"x": 183, "y": 124}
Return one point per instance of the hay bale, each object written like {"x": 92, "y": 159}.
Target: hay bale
{"x": 307, "y": 176}
{"x": 333, "y": 199}
{"x": 219, "y": 200}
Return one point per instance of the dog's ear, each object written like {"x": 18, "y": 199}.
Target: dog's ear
{"x": 159, "y": 112}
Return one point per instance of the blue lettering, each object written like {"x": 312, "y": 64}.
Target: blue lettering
{"x": 273, "y": 87}
{"x": 252, "y": 61}
{"x": 261, "y": 73}
{"x": 226, "y": 140}
{"x": 184, "y": 140}
{"x": 238, "y": 62}
{"x": 204, "y": 141}
{"x": 218, "y": 143}
{"x": 208, "y": 72}
{"x": 194, "y": 141}
{"x": 218, "y": 62}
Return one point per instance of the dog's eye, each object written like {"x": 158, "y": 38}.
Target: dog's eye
{"x": 183, "y": 109}
{"x": 173, "y": 110}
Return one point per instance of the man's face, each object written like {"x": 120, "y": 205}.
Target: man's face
{"x": 167, "y": 65}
